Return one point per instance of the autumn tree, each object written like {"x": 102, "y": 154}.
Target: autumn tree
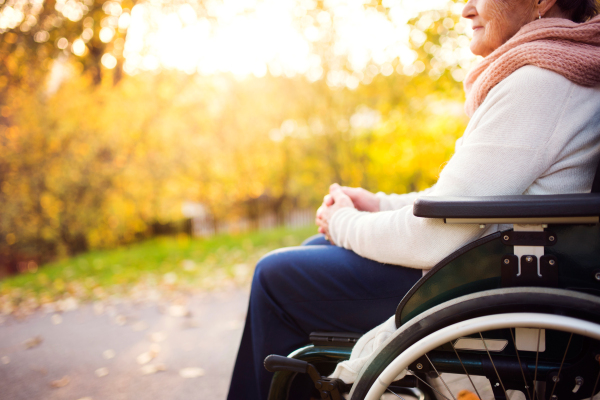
{"x": 96, "y": 158}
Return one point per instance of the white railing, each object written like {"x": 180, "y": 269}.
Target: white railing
{"x": 204, "y": 226}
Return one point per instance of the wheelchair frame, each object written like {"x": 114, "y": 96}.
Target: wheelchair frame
{"x": 554, "y": 243}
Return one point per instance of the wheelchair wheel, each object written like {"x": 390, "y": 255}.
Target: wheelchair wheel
{"x": 542, "y": 342}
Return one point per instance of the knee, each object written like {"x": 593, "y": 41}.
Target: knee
{"x": 270, "y": 284}
{"x": 268, "y": 269}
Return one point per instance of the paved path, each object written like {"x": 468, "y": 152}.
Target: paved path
{"x": 79, "y": 344}
{"x": 105, "y": 351}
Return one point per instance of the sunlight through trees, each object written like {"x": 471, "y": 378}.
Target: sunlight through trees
{"x": 112, "y": 114}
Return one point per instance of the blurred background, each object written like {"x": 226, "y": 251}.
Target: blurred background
{"x": 151, "y": 151}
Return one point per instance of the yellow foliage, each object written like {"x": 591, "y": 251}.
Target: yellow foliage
{"x": 93, "y": 166}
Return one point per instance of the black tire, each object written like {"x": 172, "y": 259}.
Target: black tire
{"x": 499, "y": 301}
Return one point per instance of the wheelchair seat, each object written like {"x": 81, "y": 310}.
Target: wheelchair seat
{"x": 520, "y": 307}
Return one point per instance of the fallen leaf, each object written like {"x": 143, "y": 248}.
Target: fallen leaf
{"x": 33, "y": 342}
{"x": 170, "y": 278}
{"x": 100, "y": 372}
{"x": 178, "y": 311}
{"x": 108, "y": 354}
{"x": 139, "y": 326}
{"x": 188, "y": 265}
{"x": 7, "y": 308}
{"x": 85, "y": 398}
{"x": 241, "y": 272}
{"x": 145, "y": 358}
{"x": 56, "y": 319}
{"x": 191, "y": 372}
{"x": 68, "y": 304}
{"x": 62, "y": 382}
{"x": 158, "y": 337}
{"x": 466, "y": 395}
{"x": 120, "y": 320}
{"x": 153, "y": 368}
{"x": 5, "y": 360}
{"x": 189, "y": 324}
{"x": 155, "y": 349}
{"x": 49, "y": 307}
{"x": 98, "y": 308}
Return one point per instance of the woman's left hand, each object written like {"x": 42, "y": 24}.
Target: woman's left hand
{"x": 325, "y": 212}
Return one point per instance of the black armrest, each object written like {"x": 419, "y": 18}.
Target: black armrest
{"x": 524, "y": 206}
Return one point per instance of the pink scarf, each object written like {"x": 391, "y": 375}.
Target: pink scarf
{"x": 557, "y": 44}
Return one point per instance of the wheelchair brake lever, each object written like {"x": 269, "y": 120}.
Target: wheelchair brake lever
{"x": 328, "y": 388}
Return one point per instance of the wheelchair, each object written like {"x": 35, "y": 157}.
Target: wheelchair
{"x": 515, "y": 311}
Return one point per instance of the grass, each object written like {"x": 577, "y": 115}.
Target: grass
{"x": 163, "y": 264}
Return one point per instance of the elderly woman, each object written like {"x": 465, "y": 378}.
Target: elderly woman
{"x": 534, "y": 103}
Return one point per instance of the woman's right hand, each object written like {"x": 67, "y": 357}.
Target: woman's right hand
{"x": 362, "y": 199}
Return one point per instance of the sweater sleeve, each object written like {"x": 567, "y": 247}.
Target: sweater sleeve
{"x": 504, "y": 150}
{"x": 389, "y": 202}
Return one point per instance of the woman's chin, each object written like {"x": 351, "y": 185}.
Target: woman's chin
{"x": 478, "y": 48}
{"x": 475, "y": 49}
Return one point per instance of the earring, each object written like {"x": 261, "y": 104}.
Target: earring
{"x": 539, "y": 14}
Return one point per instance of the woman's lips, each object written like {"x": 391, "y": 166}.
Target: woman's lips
{"x": 477, "y": 27}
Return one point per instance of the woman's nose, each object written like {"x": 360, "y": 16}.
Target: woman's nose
{"x": 470, "y": 11}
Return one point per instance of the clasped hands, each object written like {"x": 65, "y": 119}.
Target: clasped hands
{"x": 341, "y": 197}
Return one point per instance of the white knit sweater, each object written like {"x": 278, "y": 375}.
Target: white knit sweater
{"x": 535, "y": 133}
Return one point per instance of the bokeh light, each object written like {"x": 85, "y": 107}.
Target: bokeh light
{"x": 79, "y": 48}
{"x": 283, "y": 37}
{"x": 109, "y": 61}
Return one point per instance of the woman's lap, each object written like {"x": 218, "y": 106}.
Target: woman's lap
{"x": 329, "y": 277}
{"x": 314, "y": 287}
{"x": 316, "y": 240}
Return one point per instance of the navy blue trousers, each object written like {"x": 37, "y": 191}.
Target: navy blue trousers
{"x": 314, "y": 287}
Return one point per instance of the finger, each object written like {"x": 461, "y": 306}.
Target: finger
{"x": 338, "y": 196}
{"x": 321, "y": 216}
{"x": 351, "y": 192}
{"x": 320, "y": 211}
{"x": 342, "y": 200}
{"x": 328, "y": 200}
{"x": 334, "y": 186}
{"x": 320, "y": 220}
{"x": 323, "y": 228}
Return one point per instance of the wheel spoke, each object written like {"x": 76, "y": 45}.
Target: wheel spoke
{"x": 440, "y": 376}
{"x": 465, "y": 369}
{"x": 395, "y": 394}
{"x": 561, "y": 365}
{"x": 431, "y": 387}
{"x": 493, "y": 365}
{"x": 520, "y": 365}
{"x": 537, "y": 353}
